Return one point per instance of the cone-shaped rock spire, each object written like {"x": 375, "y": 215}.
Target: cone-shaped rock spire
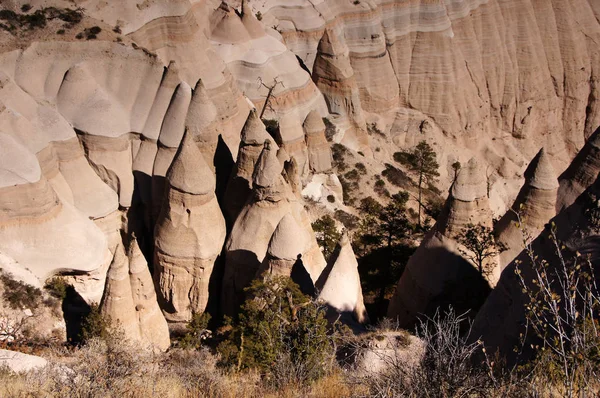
{"x": 535, "y": 205}
{"x": 581, "y": 173}
{"x": 437, "y": 273}
{"x": 117, "y": 302}
{"x": 154, "y": 330}
{"x": 340, "y": 288}
{"x": 189, "y": 235}
{"x": 189, "y": 172}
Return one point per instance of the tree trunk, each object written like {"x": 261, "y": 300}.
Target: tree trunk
{"x": 267, "y": 101}
{"x": 420, "y": 189}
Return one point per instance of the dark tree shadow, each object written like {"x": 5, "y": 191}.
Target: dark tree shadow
{"x": 302, "y": 278}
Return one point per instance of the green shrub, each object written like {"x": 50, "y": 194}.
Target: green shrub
{"x": 330, "y": 129}
{"x": 197, "y": 331}
{"x": 57, "y": 287}
{"x": 396, "y": 177}
{"x": 19, "y": 295}
{"x": 26, "y": 7}
{"x": 258, "y": 15}
{"x": 95, "y": 325}
{"x": 281, "y": 332}
{"x": 350, "y": 221}
{"x": 331, "y": 198}
{"x": 352, "y": 175}
{"x": 361, "y": 168}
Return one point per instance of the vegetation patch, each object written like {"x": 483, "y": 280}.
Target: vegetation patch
{"x": 19, "y": 295}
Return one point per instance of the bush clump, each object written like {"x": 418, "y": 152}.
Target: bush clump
{"x": 280, "y": 332}
{"x": 19, "y": 295}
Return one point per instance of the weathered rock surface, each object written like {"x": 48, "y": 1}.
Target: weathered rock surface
{"x": 535, "y": 206}
{"x": 501, "y": 319}
{"x": 272, "y": 208}
{"x": 339, "y": 285}
{"x": 189, "y": 235}
{"x": 19, "y": 362}
{"x": 581, "y": 173}
{"x": 319, "y": 152}
{"x": 437, "y": 274}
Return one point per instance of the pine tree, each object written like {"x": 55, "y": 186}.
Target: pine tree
{"x": 421, "y": 162}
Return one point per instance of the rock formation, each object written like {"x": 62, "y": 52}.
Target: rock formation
{"x": 239, "y": 188}
{"x": 339, "y": 285}
{"x": 501, "y": 319}
{"x": 437, "y": 274}
{"x": 129, "y": 300}
{"x": 581, "y": 173}
{"x": 535, "y": 206}
{"x": 334, "y": 76}
{"x": 319, "y": 153}
{"x": 154, "y": 331}
{"x": 272, "y": 207}
{"x": 189, "y": 234}
{"x": 200, "y": 122}
{"x": 117, "y": 303}
{"x": 171, "y": 133}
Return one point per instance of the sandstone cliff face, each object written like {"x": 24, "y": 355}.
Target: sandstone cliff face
{"x": 437, "y": 274}
{"x": 90, "y": 129}
{"x": 499, "y": 78}
{"x": 189, "y": 235}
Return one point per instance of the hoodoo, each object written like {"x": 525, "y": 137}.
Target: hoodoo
{"x": 189, "y": 235}
{"x": 437, "y": 273}
{"x": 534, "y": 207}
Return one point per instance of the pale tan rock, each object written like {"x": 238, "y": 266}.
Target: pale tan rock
{"x": 154, "y": 331}
{"x": 319, "y": 152}
{"x": 252, "y": 234}
{"x": 117, "y": 302}
{"x": 201, "y": 122}
{"x": 189, "y": 235}
{"x": 19, "y": 362}
{"x": 339, "y": 285}
{"x": 334, "y": 76}
{"x": 171, "y": 133}
{"x": 535, "y": 206}
{"x": 253, "y": 137}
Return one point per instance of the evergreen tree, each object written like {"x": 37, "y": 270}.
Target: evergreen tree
{"x": 421, "y": 162}
{"x": 327, "y": 235}
{"x": 481, "y": 244}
